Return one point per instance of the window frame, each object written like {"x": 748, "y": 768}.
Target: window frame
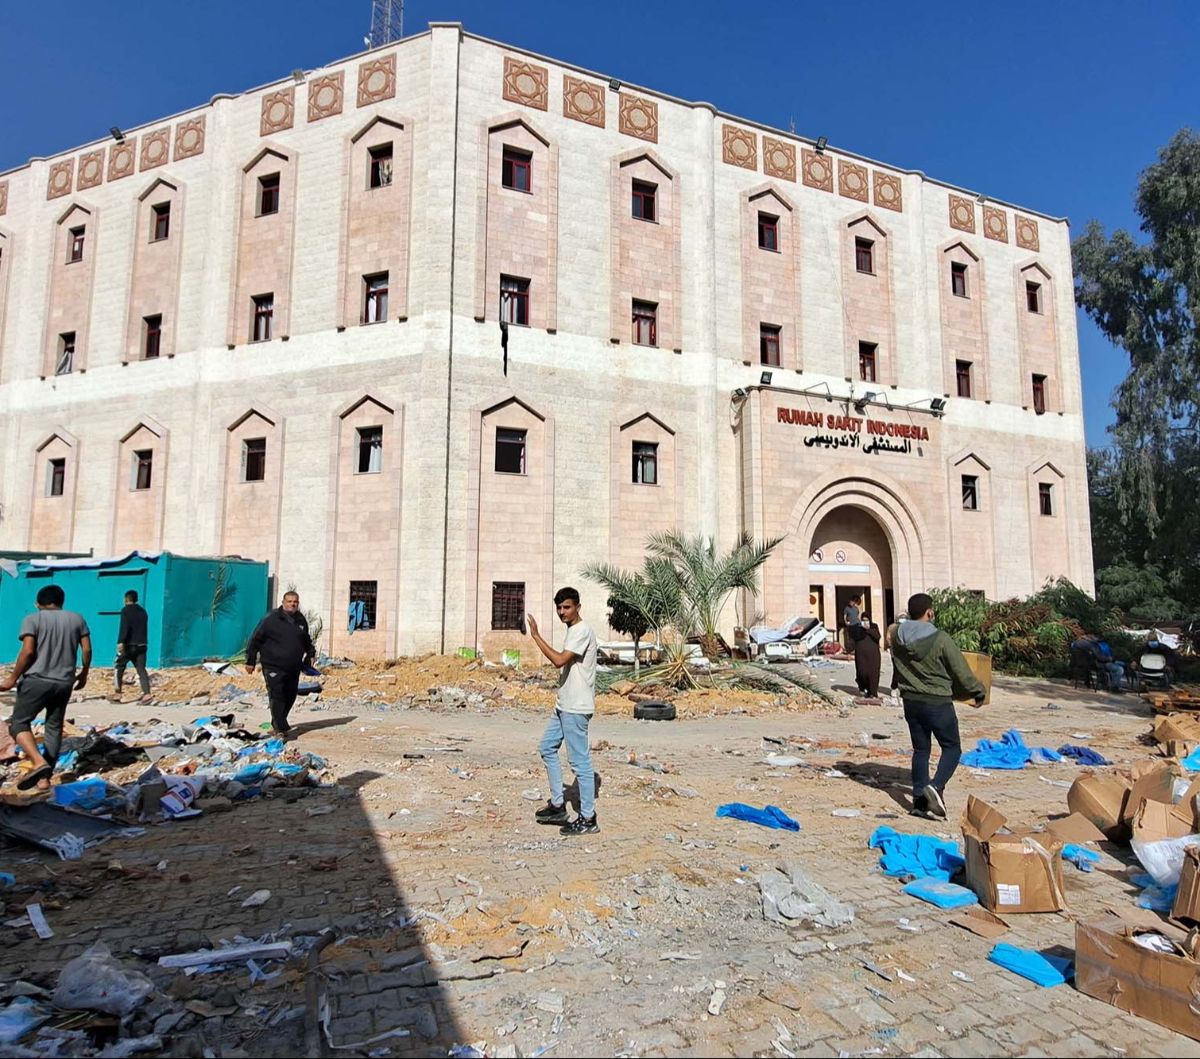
{"x": 864, "y": 250}
{"x": 152, "y": 336}
{"x": 1046, "y": 499}
{"x": 56, "y": 475}
{"x": 75, "y": 242}
{"x": 1033, "y": 297}
{"x": 160, "y": 219}
{"x": 868, "y": 353}
{"x": 269, "y": 191}
{"x": 143, "y": 460}
{"x": 768, "y": 223}
{"x": 958, "y": 280}
{"x": 375, "y": 297}
{"x": 644, "y": 313}
{"x": 963, "y": 373}
{"x": 369, "y": 596}
{"x": 514, "y": 436}
{"x": 376, "y": 170}
{"x": 768, "y": 335}
{"x": 263, "y": 313}
{"x": 259, "y": 456}
{"x": 643, "y": 192}
{"x": 366, "y": 440}
{"x": 514, "y": 161}
{"x": 66, "y": 349}
{"x": 514, "y": 300}
{"x": 970, "y": 491}
{"x": 646, "y": 457}
{"x": 508, "y": 604}
{"x": 1039, "y": 394}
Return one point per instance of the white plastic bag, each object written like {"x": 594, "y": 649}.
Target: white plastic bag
{"x": 1164, "y": 859}
{"x": 97, "y": 981}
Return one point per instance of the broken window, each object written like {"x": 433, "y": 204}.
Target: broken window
{"x": 56, "y": 476}
{"x": 370, "y": 450}
{"x": 508, "y": 605}
{"x": 65, "y": 364}
{"x": 254, "y": 460}
{"x": 381, "y": 166}
{"x": 143, "y": 464}
{"x": 645, "y": 462}
{"x": 362, "y": 603}
{"x": 970, "y": 492}
{"x": 510, "y": 451}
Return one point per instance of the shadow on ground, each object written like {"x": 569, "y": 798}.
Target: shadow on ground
{"x": 894, "y": 780}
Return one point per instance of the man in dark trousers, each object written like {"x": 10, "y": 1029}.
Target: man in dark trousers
{"x": 285, "y": 647}
{"x": 931, "y": 672}
{"x": 132, "y": 642}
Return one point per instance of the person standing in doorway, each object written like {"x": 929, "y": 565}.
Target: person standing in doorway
{"x": 132, "y": 644}
{"x": 573, "y": 709}
{"x": 283, "y": 643}
{"x": 851, "y": 619}
{"x": 931, "y": 672}
{"x": 44, "y": 675}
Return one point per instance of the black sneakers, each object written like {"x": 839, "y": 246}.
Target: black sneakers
{"x": 552, "y": 814}
{"x": 581, "y": 825}
{"x": 933, "y": 799}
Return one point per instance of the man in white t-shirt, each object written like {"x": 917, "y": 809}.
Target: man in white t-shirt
{"x": 572, "y": 712}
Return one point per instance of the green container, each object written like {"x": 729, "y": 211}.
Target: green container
{"x": 466, "y": 652}
{"x": 511, "y": 657}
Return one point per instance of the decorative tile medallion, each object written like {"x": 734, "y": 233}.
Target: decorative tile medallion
{"x": 91, "y": 170}
{"x": 888, "y": 191}
{"x": 779, "y": 159}
{"x": 189, "y": 138}
{"x": 156, "y": 148}
{"x": 278, "y": 111}
{"x": 852, "y": 180}
{"x": 1027, "y": 232}
{"x": 995, "y": 224}
{"x": 817, "y": 169}
{"x": 962, "y": 213}
{"x": 122, "y": 159}
{"x": 325, "y": 96}
{"x": 377, "y": 80}
{"x": 583, "y": 101}
{"x": 739, "y": 147}
{"x": 639, "y": 117}
{"x": 61, "y": 175}
{"x": 526, "y": 83}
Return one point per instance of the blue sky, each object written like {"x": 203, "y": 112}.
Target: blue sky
{"x": 1056, "y": 106}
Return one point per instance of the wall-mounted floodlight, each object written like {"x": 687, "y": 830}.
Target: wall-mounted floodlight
{"x": 765, "y": 379}
{"x": 739, "y": 394}
{"x": 822, "y": 143}
{"x": 298, "y": 76}
{"x": 817, "y": 386}
{"x": 117, "y": 134}
{"x": 614, "y": 84}
{"x": 860, "y": 405}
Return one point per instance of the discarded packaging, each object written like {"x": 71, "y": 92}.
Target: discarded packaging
{"x": 980, "y": 921}
{"x": 1046, "y": 971}
{"x": 97, "y": 981}
{"x": 259, "y": 897}
{"x": 274, "y": 950}
{"x": 1011, "y": 870}
{"x": 788, "y": 894}
{"x": 1187, "y": 897}
{"x": 1101, "y": 799}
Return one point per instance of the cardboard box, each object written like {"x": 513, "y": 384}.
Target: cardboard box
{"x": 1154, "y": 781}
{"x": 1187, "y": 897}
{"x": 1155, "y": 821}
{"x": 1177, "y": 727}
{"x": 1101, "y": 799}
{"x": 981, "y": 666}
{"x": 1075, "y": 828}
{"x": 1159, "y": 986}
{"x": 1011, "y": 871}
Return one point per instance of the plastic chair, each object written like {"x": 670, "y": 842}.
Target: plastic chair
{"x": 1152, "y": 671}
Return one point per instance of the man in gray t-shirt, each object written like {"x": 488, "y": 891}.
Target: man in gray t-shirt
{"x": 44, "y": 675}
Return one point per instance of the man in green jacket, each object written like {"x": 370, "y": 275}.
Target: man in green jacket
{"x": 931, "y": 672}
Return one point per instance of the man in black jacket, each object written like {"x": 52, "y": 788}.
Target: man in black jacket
{"x": 282, "y": 641}
{"x": 132, "y": 642}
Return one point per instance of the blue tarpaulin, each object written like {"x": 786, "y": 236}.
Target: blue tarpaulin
{"x": 1010, "y": 752}
{"x": 915, "y": 856}
{"x": 771, "y": 816}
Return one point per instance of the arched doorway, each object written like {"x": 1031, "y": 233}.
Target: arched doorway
{"x": 849, "y": 553}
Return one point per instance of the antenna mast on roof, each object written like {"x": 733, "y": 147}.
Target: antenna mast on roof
{"x": 387, "y": 22}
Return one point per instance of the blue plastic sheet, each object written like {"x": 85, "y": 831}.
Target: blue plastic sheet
{"x": 82, "y": 794}
{"x": 941, "y": 893}
{"x": 771, "y": 816}
{"x": 1192, "y": 761}
{"x": 1084, "y": 755}
{"x": 1009, "y": 752}
{"x": 1084, "y": 859}
{"x": 1046, "y": 971}
{"x": 915, "y": 856}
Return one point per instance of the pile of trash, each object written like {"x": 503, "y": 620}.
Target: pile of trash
{"x": 109, "y": 780}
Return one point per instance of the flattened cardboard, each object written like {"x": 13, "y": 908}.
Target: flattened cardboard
{"x": 1101, "y": 799}
{"x": 1075, "y": 828}
{"x": 1011, "y": 870}
{"x": 1187, "y": 897}
{"x": 1154, "y": 781}
{"x": 1159, "y": 986}
{"x": 980, "y": 921}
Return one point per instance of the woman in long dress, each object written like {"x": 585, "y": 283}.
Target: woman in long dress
{"x": 866, "y": 657}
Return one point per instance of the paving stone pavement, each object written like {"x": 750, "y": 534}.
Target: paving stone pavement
{"x": 463, "y": 921}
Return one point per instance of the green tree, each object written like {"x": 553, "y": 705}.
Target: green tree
{"x": 628, "y": 621}
{"x": 1145, "y": 297}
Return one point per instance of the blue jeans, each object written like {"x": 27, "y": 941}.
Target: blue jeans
{"x": 571, "y": 728}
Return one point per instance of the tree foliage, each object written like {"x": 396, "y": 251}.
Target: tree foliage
{"x": 1145, "y": 297}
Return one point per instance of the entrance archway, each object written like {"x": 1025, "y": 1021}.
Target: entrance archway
{"x": 849, "y": 553}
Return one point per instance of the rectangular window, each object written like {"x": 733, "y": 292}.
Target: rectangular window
{"x": 370, "y": 450}
{"x": 66, "y": 354}
{"x": 162, "y": 222}
{"x": 375, "y": 289}
{"x": 143, "y": 466}
{"x": 768, "y": 344}
{"x": 962, "y": 372}
{"x": 268, "y": 194}
{"x": 864, "y": 255}
{"x": 1046, "y": 498}
{"x": 516, "y": 170}
{"x": 644, "y": 195}
{"x": 645, "y": 462}
{"x": 75, "y": 245}
{"x": 768, "y": 232}
{"x": 1033, "y": 296}
{"x": 151, "y": 336}
{"x": 970, "y": 492}
{"x": 508, "y": 605}
{"x": 264, "y": 314}
{"x": 381, "y": 166}
{"x": 958, "y": 279}
{"x": 254, "y": 460}
{"x": 366, "y": 593}
{"x": 867, "y": 361}
{"x": 1039, "y": 394}
{"x": 645, "y": 323}
{"x": 514, "y": 300}
{"x": 56, "y": 476}
{"x": 510, "y": 451}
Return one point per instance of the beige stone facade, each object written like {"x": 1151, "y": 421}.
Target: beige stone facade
{"x": 498, "y": 474}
